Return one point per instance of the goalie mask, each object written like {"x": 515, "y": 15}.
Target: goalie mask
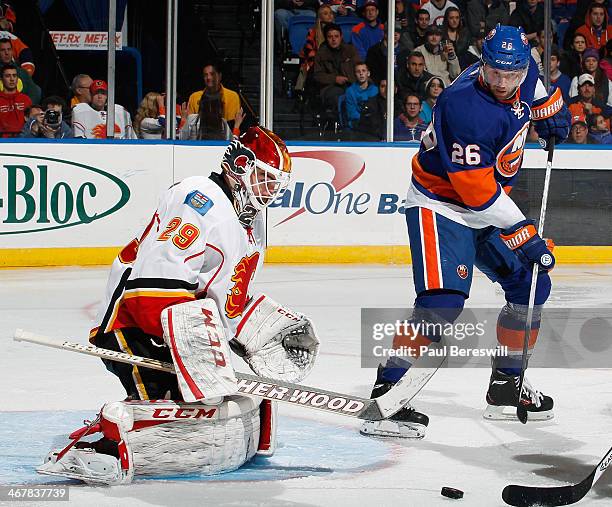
{"x": 259, "y": 167}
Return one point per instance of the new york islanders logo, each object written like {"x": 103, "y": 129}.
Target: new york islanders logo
{"x": 462, "y": 271}
{"x": 237, "y": 296}
{"x": 510, "y": 157}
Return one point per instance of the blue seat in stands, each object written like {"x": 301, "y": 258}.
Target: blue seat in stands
{"x": 297, "y": 31}
{"x": 347, "y": 23}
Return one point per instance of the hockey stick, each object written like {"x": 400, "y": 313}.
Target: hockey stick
{"x": 525, "y": 496}
{"x": 521, "y": 411}
{"x": 328, "y": 401}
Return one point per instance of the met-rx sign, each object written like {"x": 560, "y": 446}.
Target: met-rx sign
{"x": 41, "y": 194}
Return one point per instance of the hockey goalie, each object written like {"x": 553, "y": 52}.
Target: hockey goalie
{"x": 180, "y": 293}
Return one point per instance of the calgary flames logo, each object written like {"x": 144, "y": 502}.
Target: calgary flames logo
{"x": 99, "y": 131}
{"x": 237, "y": 296}
{"x": 238, "y": 158}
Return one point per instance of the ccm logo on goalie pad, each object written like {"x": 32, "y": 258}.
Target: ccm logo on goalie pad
{"x": 184, "y": 413}
{"x": 213, "y": 337}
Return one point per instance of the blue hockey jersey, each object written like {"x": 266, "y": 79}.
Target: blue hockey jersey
{"x": 471, "y": 153}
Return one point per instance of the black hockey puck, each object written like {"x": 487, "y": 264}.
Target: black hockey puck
{"x": 452, "y": 493}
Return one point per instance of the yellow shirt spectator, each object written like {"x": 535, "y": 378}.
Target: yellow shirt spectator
{"x": 229, "y": 98}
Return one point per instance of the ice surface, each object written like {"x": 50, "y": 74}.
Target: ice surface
{"x": 321, "y": 459}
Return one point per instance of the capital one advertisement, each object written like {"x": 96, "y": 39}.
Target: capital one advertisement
{"x": 343, "y": 196}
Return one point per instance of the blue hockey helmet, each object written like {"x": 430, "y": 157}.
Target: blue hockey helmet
{"x": 506, "y": 48}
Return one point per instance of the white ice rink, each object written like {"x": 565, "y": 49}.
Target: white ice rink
{"x": 321, "y": 459}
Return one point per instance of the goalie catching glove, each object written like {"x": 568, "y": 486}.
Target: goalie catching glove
{"x": 276, "y": 342}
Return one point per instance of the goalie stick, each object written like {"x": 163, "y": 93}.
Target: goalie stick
{"x": 526, "y": 496}
{"x": 328, "y": 401}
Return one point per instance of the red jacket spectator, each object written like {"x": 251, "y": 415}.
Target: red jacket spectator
{"x": 596, "y": 29}
{"x": 12, "y": 107}
{"x": 12, "y": 103}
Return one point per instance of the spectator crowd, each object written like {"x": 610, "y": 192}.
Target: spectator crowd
{"x": 343, "y": 72}
{"x": 434, "y": 41}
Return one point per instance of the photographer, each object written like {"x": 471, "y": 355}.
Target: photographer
{"x": 48, "y": 124}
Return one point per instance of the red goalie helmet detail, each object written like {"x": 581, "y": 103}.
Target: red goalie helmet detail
{"x": 260, "y": 165}
{"x": 270, "y": 151}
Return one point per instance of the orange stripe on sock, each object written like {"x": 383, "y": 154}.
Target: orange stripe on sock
{"x": 514, "y": 339}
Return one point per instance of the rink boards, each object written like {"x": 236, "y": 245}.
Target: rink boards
{"x": 77, "y": 203}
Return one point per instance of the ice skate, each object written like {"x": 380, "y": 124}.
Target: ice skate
{"x": 502, "y": 399}
{"x": 407, "y": 423}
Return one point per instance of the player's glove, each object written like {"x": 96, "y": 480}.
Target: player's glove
{"x": 551, "y": 118}
{"x": 524, "y": 240}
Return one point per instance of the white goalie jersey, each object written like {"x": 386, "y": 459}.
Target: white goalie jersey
{"x": 194, "y": 247}
{"x": 91, "y": 124}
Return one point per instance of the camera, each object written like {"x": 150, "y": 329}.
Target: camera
{"x": 53, "y": 118}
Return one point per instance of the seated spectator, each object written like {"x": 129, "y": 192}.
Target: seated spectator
{"x": 49, "y": 124}
{"x": 439, "y": 61}
{"x": 214, "y": 88}
{"x": 596, "y": 30}
{"x": 334, "y": 66}
{"x": 209, "y": 123}
{"x": 454, "y": 31}
{"x": 537, "y": 51}
{"x": 530, "y": 15}
{"x": 408, "y": 126}
{"x": 605, "y": 63}
{"x": 433, "y": 89}
{"x": 368, "y": 32}
{"x": 150, "y": 119}
{"x": 284, "y": 10}
{"x": 473, "y": 53}
{"x": 89, "y": 121}
{"x": 579, "y": 133}
{"x": 342, "y": 7}
{"x": 25, "y": 84}
{"x": 571, "y": 59}
{"x": 314, "y": 39}
{"x": 358, "y": 94}
{"x": 80, "y": 89}
{"x": 404, "y": 20}
{"x": 12, "y": 103}
{"x": 373, "y": 119}
{"x": 377, "y": 56}
{"x": 557, "y": 78}
{"x": 483, "y": 15}
{"x": 412, "y": 77}
{"x": 437, "y": 9}
{"x": 418, "y": 31}
{"x": 599, "y": 129}
{"x": 586, "y": 103}
{"x": 23, "y": 54}
{"x": 603, "y": 86}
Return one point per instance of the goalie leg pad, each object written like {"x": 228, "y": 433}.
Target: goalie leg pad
{"x": 276, "y": 342}
{"x": 162, "y": 438}
{"x": 196, "y": 337}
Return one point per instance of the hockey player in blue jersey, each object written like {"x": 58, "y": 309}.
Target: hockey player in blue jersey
{"x": 460, "y": 215}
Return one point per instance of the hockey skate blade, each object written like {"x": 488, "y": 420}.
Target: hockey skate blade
{"x": 508, "y": 413}
{"x": 388, "y": 428}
